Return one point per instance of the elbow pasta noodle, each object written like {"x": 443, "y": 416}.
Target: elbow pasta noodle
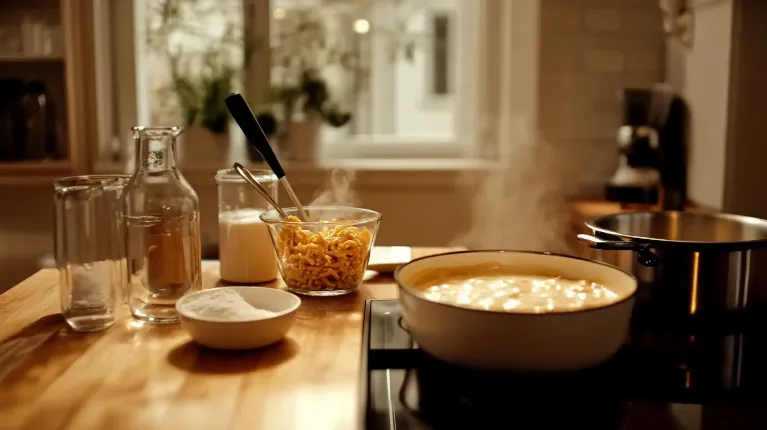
{"x": 333, "y": 259}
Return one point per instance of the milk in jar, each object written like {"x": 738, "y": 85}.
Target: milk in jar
{"x": 245, "y": 248}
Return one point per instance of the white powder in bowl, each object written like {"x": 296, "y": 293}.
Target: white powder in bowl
{"x": 223, "y": 304}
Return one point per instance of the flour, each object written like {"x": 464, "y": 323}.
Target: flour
{"x": 223, "y": 304}
{"x": 90, "y": 284}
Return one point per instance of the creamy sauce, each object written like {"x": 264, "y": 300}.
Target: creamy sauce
{"x": 507, "y": 292}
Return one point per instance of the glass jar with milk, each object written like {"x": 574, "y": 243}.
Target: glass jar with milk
{"x": 244, "y": 246}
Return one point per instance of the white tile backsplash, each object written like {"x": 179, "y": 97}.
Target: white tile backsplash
{"x": 601, "y": 20}
{"x": 644, "y": 60}
{"x": 642, "y": 20}
{"x": 583, "y": 65}
{"x": 603, "y": 60}
{"x": 564, "y": 18}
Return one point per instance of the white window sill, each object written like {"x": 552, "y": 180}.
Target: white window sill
{"x": 394, "y": 164}
{"x": 395, "y": 147}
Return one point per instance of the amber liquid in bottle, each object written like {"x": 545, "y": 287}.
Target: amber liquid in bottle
{"x": 162, "y": 252}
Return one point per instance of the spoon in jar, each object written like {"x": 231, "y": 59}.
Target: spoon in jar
{"x": 249, "y": 125}
{"x": 249, "y": 178}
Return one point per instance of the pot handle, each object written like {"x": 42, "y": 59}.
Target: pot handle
{"x": 402, "y": 325}
{"x": 644, "y": 255}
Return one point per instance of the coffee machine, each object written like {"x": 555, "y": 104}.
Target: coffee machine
{"x": 652, "y": 150}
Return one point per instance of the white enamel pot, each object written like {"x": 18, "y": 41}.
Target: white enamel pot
{"x": 553, "y": 341}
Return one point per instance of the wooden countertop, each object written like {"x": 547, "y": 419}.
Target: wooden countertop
{"x": 143, "y": 377}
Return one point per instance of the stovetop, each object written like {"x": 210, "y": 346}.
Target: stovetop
{"x": 665, "y": 378}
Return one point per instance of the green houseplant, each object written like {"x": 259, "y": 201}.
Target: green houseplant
{"x": 201, "y": 97}
{"x": 205, "y": 61}
{"x": 201, "y": 66}
{"x": 313, "y": 43}
{"x": 304, "y": 107}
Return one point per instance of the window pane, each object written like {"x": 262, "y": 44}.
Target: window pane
{"x": 388, "y": 63}
{"x": 193, "y": 58}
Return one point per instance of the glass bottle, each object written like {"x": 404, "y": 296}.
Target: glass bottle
{"x": 161, "y": 213}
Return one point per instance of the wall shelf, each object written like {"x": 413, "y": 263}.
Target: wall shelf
{"x": 31, "y": 59}
{"x": 70, "y": 82}
{"x": 34, "y": 166}
{"x": 33, "y": 172}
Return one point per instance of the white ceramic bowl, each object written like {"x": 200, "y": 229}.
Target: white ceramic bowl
{"x": 248, "y": 334}
{"x": 554, "y": 341}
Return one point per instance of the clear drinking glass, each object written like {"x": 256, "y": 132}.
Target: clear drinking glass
{"x": 89, "y": 248}
{"x": 161, "y": 214}
{"x": 245, "y": 248}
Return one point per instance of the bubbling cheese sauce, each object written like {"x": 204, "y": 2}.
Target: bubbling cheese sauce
{"x": 504, "y": 291}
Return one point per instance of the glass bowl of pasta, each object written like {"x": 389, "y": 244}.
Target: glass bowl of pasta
{"x": 326, "y": 255}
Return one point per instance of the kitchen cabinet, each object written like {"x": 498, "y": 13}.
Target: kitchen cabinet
{"x": 57, "y": 51}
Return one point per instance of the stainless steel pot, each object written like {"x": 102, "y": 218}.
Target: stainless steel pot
{"x": 689, "y": 263}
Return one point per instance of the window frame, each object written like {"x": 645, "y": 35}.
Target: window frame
{"x": 464, "y": 26}
{"x": 126, "y": 73}
{"x": 431, "y": 98}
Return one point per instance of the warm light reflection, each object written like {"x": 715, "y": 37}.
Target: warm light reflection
{"x": 361, "y": 26}
{"x": 279, "y": 13}
{"x": 694, "y": 293}
{"x": 134, "y": 323}
{"x": 674, "y": 226}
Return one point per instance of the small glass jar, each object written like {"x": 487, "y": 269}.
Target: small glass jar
{"x": 245, "y": 248}
{"x": 89, "y": 249}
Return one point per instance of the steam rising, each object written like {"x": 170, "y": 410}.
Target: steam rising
{"x": 338, "y": 190}
{"x": 522, "y": 205}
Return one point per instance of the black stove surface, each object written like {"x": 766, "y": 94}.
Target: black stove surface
{"x": 664, "y": 379}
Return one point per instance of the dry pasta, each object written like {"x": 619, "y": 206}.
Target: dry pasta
{"x": 332, "y": 259}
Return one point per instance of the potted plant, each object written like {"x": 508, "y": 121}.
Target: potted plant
{"x": 311, "y": 41}
{"x": 205, "y": 117}
{"x": 303, "y": 108}
{"x": 315, "y": 51}
{"x": 202, "y": 67}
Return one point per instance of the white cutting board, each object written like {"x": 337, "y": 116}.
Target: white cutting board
{"x": 384, "y": 259}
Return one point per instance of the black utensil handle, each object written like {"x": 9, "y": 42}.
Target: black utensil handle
{"x": 249, "y": 125}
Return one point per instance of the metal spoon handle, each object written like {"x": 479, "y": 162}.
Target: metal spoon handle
{"x": 294, "y": 198}
{"x": 249, "y": 178}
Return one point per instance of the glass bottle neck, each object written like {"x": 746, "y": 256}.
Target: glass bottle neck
{"x": 156, "y": 153}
